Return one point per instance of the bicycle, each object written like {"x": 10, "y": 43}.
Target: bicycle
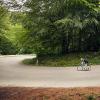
{"x": 84, "y": 67}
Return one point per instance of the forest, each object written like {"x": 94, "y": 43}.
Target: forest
{"x": 49, "y": 27}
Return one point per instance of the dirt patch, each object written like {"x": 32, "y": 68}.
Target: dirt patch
{"x": 21, "y": 93}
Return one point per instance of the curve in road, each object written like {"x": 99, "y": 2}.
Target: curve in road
{"x": 13, "y": 73}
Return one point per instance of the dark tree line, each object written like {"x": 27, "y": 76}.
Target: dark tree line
{"x": 63, "y": 26}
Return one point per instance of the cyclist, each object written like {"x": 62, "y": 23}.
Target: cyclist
{"x": 82, "y": 63}
{"x": 86, "y": 61}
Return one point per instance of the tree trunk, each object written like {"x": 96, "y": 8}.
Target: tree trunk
{"x": 65, "y": 45}
{"x": 80, "y": 42}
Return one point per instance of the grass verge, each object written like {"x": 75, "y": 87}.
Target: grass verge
{"x": 66, "y": 60}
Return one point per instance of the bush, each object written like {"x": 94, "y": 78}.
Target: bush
{"x": 91, "y": 97}
{"x": 29, "y": 61}
{"x": 66, "y": 60}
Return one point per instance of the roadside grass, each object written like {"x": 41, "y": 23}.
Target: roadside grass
{"x": 91, "y": 97}
{"x": 66, "y": 60}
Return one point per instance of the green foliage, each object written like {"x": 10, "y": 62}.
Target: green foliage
{"x": 63, "y": 26}
{"x": 54, "y": 27}
{"x": 3, "y": 19}
{"x": 30, "y": 61}
{"x": 6, "y": 46}
{"x": 64, "y": 61}
{"x": 91, "y": 97}
{"x": 17, "y": 17}
{"x": 17, "y": 35}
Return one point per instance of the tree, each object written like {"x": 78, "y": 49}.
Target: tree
{"x": 3, "y": 18}
{"x": 63, "y": 26}
{"x": 6, "y": 46}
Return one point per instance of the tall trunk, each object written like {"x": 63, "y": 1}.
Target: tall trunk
{"x": 65, "y": 45}
{"x": 80, "y": 42}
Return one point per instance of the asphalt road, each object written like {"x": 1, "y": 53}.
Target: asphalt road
{"x": 13, "y": 73}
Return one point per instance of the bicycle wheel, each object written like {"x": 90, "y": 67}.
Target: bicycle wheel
{"x": 89, "y": 67}
{"x": 79, "y": 68}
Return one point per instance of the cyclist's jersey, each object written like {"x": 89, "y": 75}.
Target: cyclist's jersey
{"x": 86, "y": 61}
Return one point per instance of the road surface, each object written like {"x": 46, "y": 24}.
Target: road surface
{"x": 13, "y": 73}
